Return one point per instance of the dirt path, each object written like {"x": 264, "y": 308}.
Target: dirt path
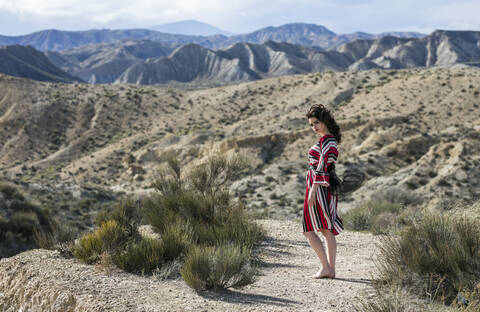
{"x": 44, "y": 279}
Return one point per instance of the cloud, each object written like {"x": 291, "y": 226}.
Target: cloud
{"x": 341, "y": 16}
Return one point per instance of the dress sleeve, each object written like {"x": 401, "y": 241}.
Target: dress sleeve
{"x": 327, "y": 158}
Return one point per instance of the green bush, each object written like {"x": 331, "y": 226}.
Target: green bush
{"x": 239, "y": 230}
{"x": 24, "y": 222}
{"x": 195, "y": 218}
{"x": 10, "y": 192}
{"x": 143, "y": 256}
{"x": 203, "y": 213}
{"x": 88, "y": 248}
{"x": 394, "y": 299}
{"x": 176, "y": 238}
{"x": 378, "y": 216}
{"x": 217, "y": 267}
{"x": 110, "y": 237}
{"x": 126, "y": 213}
{"x": 357, "y": 219}
{"x": 61, "y": 237}
{"x": 157, "y": 211}
{"x": 21, "y": 222}
{"x": 398, "y": 195}
{"x": 215, "y": 173}
{"x": 203, "y": 201}
{"x": 439, "y": 254}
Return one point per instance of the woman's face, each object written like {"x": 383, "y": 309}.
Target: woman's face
{"x": 317, "y": 126}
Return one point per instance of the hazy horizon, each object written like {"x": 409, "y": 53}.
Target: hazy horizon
{"x": 372, "y": 16}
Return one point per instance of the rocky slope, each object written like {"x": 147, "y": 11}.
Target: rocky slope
{"x": 441, "y": 48}
{"x": 417, "y": 130}
{"x": 187, "y": 64}
{"x": 104, "y": 63}
{"x": 27, "y": 62}
{"x": 240, "y": 62}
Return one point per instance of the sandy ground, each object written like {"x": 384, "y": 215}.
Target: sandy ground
{"x": 42, "y": 280}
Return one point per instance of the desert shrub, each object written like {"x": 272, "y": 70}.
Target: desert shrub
{"x": 217, "y": 267}
{"x": 394, "y": 299}
{"x": 21, "y": 222}
{"x": 212, "y": 176}
{"x": 88, "y": 248}
{"x": 195, "y": 218}
{"x": 239, "y": 230}
{"x": 9, "y": 192}
{"x": 438, "y": 255}
{"x": 398, "y": 195}
{"x": 158, "y": 211}
{"x": 202, "y": 200}
{"x": 110, "y": 237}
{"x": 126, "y": 213}
{"x": 24, "y": 222}
{"x": 143, "y": 256}
{"x": 117, "y": 239}
{"x": 357, "y": 219}
{"x": 60, "y": 238}
{"x": 176, "y": 238}
{"x": 203, "y": 213}
{"x": 377, "y": 216}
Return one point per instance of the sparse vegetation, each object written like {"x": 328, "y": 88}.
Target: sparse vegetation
{"x": 195, "y": 217}
{"x": 143, "y": 256}
{"x": 24, "y": 225}
{"x": 378, "y": 216}
{"x": 220, "y": 266}
{"x": 435, "y": 259}
{"x": 109, "y": 238}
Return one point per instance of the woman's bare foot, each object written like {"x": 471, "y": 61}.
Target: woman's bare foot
{"x": 324, "y": 273}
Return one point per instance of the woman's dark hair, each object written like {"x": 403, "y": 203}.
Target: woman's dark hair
{"x": 323, "y": 114}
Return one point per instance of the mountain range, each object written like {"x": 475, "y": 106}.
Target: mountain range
{"x": 147, "y": 62}
{"x": 104, "y": 63}
{"x": 296, "y": 33}
{"x": 152, "y": 62}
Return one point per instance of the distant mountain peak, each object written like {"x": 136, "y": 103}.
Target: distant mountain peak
{"x": 191, "y": 28}
{"x": 304, "y": 27}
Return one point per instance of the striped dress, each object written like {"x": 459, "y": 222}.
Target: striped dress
{"x": 323, "y": 214}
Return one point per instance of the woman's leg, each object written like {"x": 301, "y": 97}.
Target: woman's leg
{"x": 317, "y": 246}
{"x": 331, "y": 248}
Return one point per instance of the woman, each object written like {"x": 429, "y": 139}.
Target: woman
{"x": 320, "y": 205}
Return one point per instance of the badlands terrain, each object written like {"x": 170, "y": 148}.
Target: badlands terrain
{"x": 71, "y": 146}
{"x": 417, "y": 130}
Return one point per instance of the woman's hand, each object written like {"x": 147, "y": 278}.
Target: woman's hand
{"x": 311, "y": 196}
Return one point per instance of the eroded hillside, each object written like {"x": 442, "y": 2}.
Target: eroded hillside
{"x": 414, "y": 129}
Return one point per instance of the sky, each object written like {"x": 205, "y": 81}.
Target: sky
{"x": 19, "y": 17}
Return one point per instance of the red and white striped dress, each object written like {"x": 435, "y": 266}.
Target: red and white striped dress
{"x": 323, "y": 214}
